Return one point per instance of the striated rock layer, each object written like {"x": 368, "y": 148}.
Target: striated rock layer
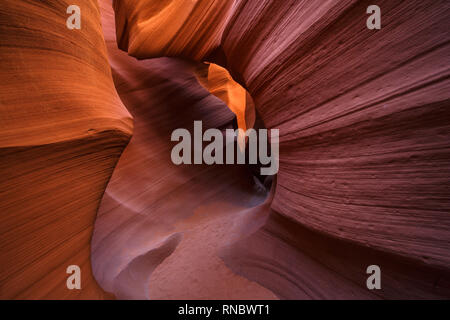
{"x": 160, "y": 226}
{"x": 364, "y": 143}
{"x": 364, "y": 149}
{"x": 62, "y": 130}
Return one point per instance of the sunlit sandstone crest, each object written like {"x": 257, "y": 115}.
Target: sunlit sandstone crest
{"x": 150, "y": 29}
{"x": 219, "y": 82}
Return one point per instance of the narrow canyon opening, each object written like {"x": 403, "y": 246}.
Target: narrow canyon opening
{"x": 212, "y": 232}
{"x": 218, "y": 81}
{"x": 85, "y": 156}
{"x": 150, "y": 201}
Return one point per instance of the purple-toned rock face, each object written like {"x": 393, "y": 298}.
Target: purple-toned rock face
{"x": 364, "y": 150}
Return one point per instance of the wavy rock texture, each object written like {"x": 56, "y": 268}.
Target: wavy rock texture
{"x": 62, "y": 130}
{"x": 163, "y": 224}
{"x": 364, "y": 150}
{"x": 151, "y": 29}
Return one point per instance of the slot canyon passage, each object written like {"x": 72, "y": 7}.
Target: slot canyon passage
{"x": 86, "y": 118}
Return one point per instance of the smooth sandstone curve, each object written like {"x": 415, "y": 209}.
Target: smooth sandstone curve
{"x": 364, "y": 144}
{"x": 62, "y": 130}
{"x": 364, "y": 150}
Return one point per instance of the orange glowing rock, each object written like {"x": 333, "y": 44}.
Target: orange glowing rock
{"x": 220, "y": 83}
{"x": 171, "y": 27}
{"x": 364, "y": 149}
